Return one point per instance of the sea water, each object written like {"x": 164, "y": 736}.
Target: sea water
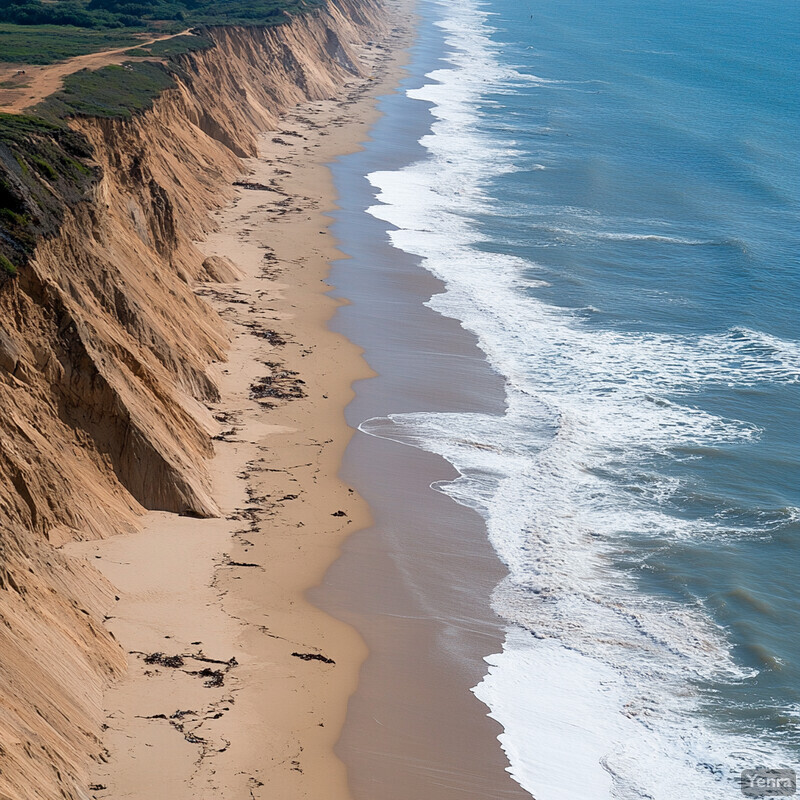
{"x": 611, "y": 194}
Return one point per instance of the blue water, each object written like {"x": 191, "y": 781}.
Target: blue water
{"x": 611, "y": 194}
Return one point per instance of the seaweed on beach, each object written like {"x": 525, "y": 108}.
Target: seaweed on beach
{"x": 314, "y": 657}
{"x": 164, "y": 661}
{"x": 281, "y": 386}
{"x": 216, "y": 677}
{"x": 272, "y": 337}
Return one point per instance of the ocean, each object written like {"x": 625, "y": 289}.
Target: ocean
{"x": 610, "y": 194}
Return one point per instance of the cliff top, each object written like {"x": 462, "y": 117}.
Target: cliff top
{"x": 94, "y": 58}
{"x": 36, "y": 32}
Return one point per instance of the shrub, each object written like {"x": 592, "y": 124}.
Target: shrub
{"x": 45, "y": 44}
{"x": 44, "y": 168}
{"x": 6, "y": 267}
{"x": 113, "y": 91}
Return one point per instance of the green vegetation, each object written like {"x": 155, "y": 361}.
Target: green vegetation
{"x": 17, "y": 129}
{"x": 113, "y": 91}
{"x": 13, "y": 217}
{"x": 44, "y": 168}
{"x": 46, "y": 31}
{"x": 46, "y": 44}
{"x": 244, "y": 12}
{"x": 77, "y": 13}
{"x": 176, "y": 46}
{"x": 6, "y": 267}
{"x": 170, "y": 15}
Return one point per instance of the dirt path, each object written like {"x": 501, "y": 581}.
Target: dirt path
{"x": 40, "y": 81}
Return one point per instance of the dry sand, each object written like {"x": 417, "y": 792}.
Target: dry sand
{"x": 256, "y": 699}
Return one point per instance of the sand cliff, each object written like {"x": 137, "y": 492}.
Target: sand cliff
{"x": 104, "y": 348}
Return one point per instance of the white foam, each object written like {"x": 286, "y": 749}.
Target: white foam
{"x": 595, "y": 676}
{"x": 562, "y": 725}
{"x": 565, "y": 737}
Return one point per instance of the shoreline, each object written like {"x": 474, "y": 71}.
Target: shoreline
{"x": 236, "y": 683}
{"x": 418, "y": 583}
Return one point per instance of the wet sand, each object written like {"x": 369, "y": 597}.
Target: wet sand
{"x": 417, "y": 584}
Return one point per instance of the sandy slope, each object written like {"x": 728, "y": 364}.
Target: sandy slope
{"x": 232, "y": 589}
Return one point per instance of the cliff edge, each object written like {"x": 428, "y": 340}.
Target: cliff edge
{"x": 104, "y": 349}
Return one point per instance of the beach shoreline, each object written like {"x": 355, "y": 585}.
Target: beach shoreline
{"x": 418, "y": 583}
{"x": 236, "y": 683}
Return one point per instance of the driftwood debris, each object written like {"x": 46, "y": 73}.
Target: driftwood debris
{"x": 314, "y": 657}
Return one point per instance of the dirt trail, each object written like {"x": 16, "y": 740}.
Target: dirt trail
{"x": 40, "y": 81}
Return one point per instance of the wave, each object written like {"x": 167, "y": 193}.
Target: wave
{"x": 644, "y": 237}
{"x": 655, "y": 237}
{"x": 596, "y": 687}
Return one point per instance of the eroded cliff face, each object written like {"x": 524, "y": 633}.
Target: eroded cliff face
{"x": 104, "y": 349}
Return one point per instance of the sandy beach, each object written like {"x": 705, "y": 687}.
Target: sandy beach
{"x": 237, "y": 686}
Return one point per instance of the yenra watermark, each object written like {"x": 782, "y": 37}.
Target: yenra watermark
{"x": 762, "y": 782}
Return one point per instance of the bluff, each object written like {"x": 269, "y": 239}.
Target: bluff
{"x": 104, "y": 349}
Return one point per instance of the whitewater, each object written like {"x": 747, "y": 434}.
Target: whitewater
{"x": 602, "y": 687}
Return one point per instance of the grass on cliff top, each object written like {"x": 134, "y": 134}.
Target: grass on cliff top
{"x": 176, "y": 46}
{"x": 18, "y": 128}
{"x": 246, "y": 12}
{"x": 119, "y": 90}
{"x": 46, "y": 44}
{"x": 36, "y": 32}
